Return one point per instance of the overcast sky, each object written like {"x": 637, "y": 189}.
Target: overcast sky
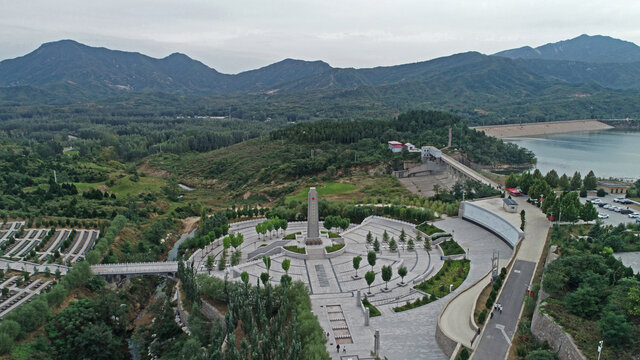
{"x": 237, "y": 35}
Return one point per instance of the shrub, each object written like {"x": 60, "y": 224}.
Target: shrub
{"x": 482, "y": 316}
{"x": 429, "y": 229}
{"x": 334, "y": 247}
{"x": 373, "y": 311}
{"x": 296, "y": 249}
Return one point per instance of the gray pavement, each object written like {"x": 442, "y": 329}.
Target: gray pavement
{"x": 631, "y": 259}
{"x": 500, "y": 329}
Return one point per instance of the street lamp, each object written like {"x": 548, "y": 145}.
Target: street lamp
{"x": 600, "y": 348}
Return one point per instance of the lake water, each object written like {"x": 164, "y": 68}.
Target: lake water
{"x": 609, "y": 153}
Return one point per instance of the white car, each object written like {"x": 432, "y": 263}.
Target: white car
{"x": 616, "y": 209}
{"x": 635, "y": 215}
{"x": 607, "y": 206}
{"x": 596, "y": 201}
{"x": 603, "y": 216}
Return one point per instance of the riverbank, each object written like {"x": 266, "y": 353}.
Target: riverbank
{"x": 542, "y": 128}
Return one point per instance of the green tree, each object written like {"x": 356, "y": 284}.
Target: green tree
{"x": 403, "y": 236}
{"x": 552, "y": 178}
{"x": 511, "y": 181}
{"x": 370, "y": 277}
{"x": 590, "y": 181}
{"x": 245, "y": 278}
{"x": 522, "y": 219}
{"x": 564, "y": 182}
{"x": 387, "y": 272}
{"x": 615, "y": 329}
{"x": 264, "y": 277}
{"x": 402, "y": 271}
{"x": 427, "y": 244}
{"x": 576, "y": 181}
{"x": 371, "y": 259}
{"x": 369, "y": 237}
{"x": 356, "y": 263}
{"x": 286, "y": 263}
{"x": 209, "y": 263}
{"x": 393, "y": 245}
{"x": 385, "y": 237}
{"x": 411, "y": 245}
{"x": 267, "y": 263}
{"x": 376, "y": 245}
{"x": 588, "y": 212}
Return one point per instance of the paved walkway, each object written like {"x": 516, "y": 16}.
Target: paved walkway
{"x": 499, "y": 331}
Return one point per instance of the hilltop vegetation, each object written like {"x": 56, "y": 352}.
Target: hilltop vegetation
{"x": 66, "y": 77}
{"x": 332, "y": 148}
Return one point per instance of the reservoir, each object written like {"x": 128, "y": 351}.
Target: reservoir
{"x": 609, "y": 153}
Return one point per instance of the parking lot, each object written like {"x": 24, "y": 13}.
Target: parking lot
{"x": 614, "y": 218}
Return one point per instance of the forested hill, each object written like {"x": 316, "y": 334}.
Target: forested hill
{"x": 584, "y": 48}
{"x": 311, "y": 149}
{"x": 68, "y": 78}
{"x": 417, "y": 127}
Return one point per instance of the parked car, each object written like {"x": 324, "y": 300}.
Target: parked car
{"x": 607, "y": 206}
{"x": 637, "y": 220}
{"x": 634, "y": 215}
{"x": 602, "y": 204}
{"x": 618, "y": 200}
{"x": 617, "y": 209}
{"x": 602, "y": 216}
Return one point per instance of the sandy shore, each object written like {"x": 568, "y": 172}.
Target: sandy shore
{"x": 543, "y": 128}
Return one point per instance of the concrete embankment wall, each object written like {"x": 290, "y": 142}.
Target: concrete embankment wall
{"x": 542, "y": 128}
{"x": 543, "y": 328}
{"x": 492, "y": 222}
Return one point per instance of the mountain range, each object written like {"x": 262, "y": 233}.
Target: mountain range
{"x": 65, "y": 72}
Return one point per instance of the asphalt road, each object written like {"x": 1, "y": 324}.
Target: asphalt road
{"x": 500, "y": 330}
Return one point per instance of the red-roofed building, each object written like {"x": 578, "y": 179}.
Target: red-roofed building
{"x": 395, "y": 146}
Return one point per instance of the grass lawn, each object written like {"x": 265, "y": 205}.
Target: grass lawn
{"x": 450, "y": 247}
{"x": 296, "y": 249}
{"x": 324, "y": 189}
{"x": 429, "y": 229}
{"x": 453, "y": 272}
{"x": 334, "y": 247}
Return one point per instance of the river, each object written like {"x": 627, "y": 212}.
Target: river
{"x": 609, "y": 153}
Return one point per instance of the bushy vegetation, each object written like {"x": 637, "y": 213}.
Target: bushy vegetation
{"x": 452, "y": 272}
{"x": 373, "y": 311}
{"x": 295, "y": 249}
{"x": 592, "y": 294}
{"x": 416, "y": 303}
{"x": 31, "y": 316}
{"x": 103, "y": 243}
{"x": 429, "y": 229}
{"x": 211, "y": 228}
{"x": 271, "y": 322}
{"x": 450, "y": 247}
{"x": 334, "y": 247}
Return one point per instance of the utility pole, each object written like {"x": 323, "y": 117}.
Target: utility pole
{"x": 55, "y": 177}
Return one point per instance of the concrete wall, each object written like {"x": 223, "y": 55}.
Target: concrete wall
{"x": 492, "y": 222}
{"x": 543, "y": 328}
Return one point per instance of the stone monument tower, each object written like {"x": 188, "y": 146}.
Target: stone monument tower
{"x": 313, "y": 227}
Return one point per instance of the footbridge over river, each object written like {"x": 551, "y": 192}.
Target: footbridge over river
{"x": 128, "y": 270}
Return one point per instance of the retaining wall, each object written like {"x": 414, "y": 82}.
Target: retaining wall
{"x": 544, "y": 328}
{"x": 492, "y": 222}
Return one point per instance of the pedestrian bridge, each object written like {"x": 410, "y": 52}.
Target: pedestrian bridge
{"x": 167, "y": 268}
